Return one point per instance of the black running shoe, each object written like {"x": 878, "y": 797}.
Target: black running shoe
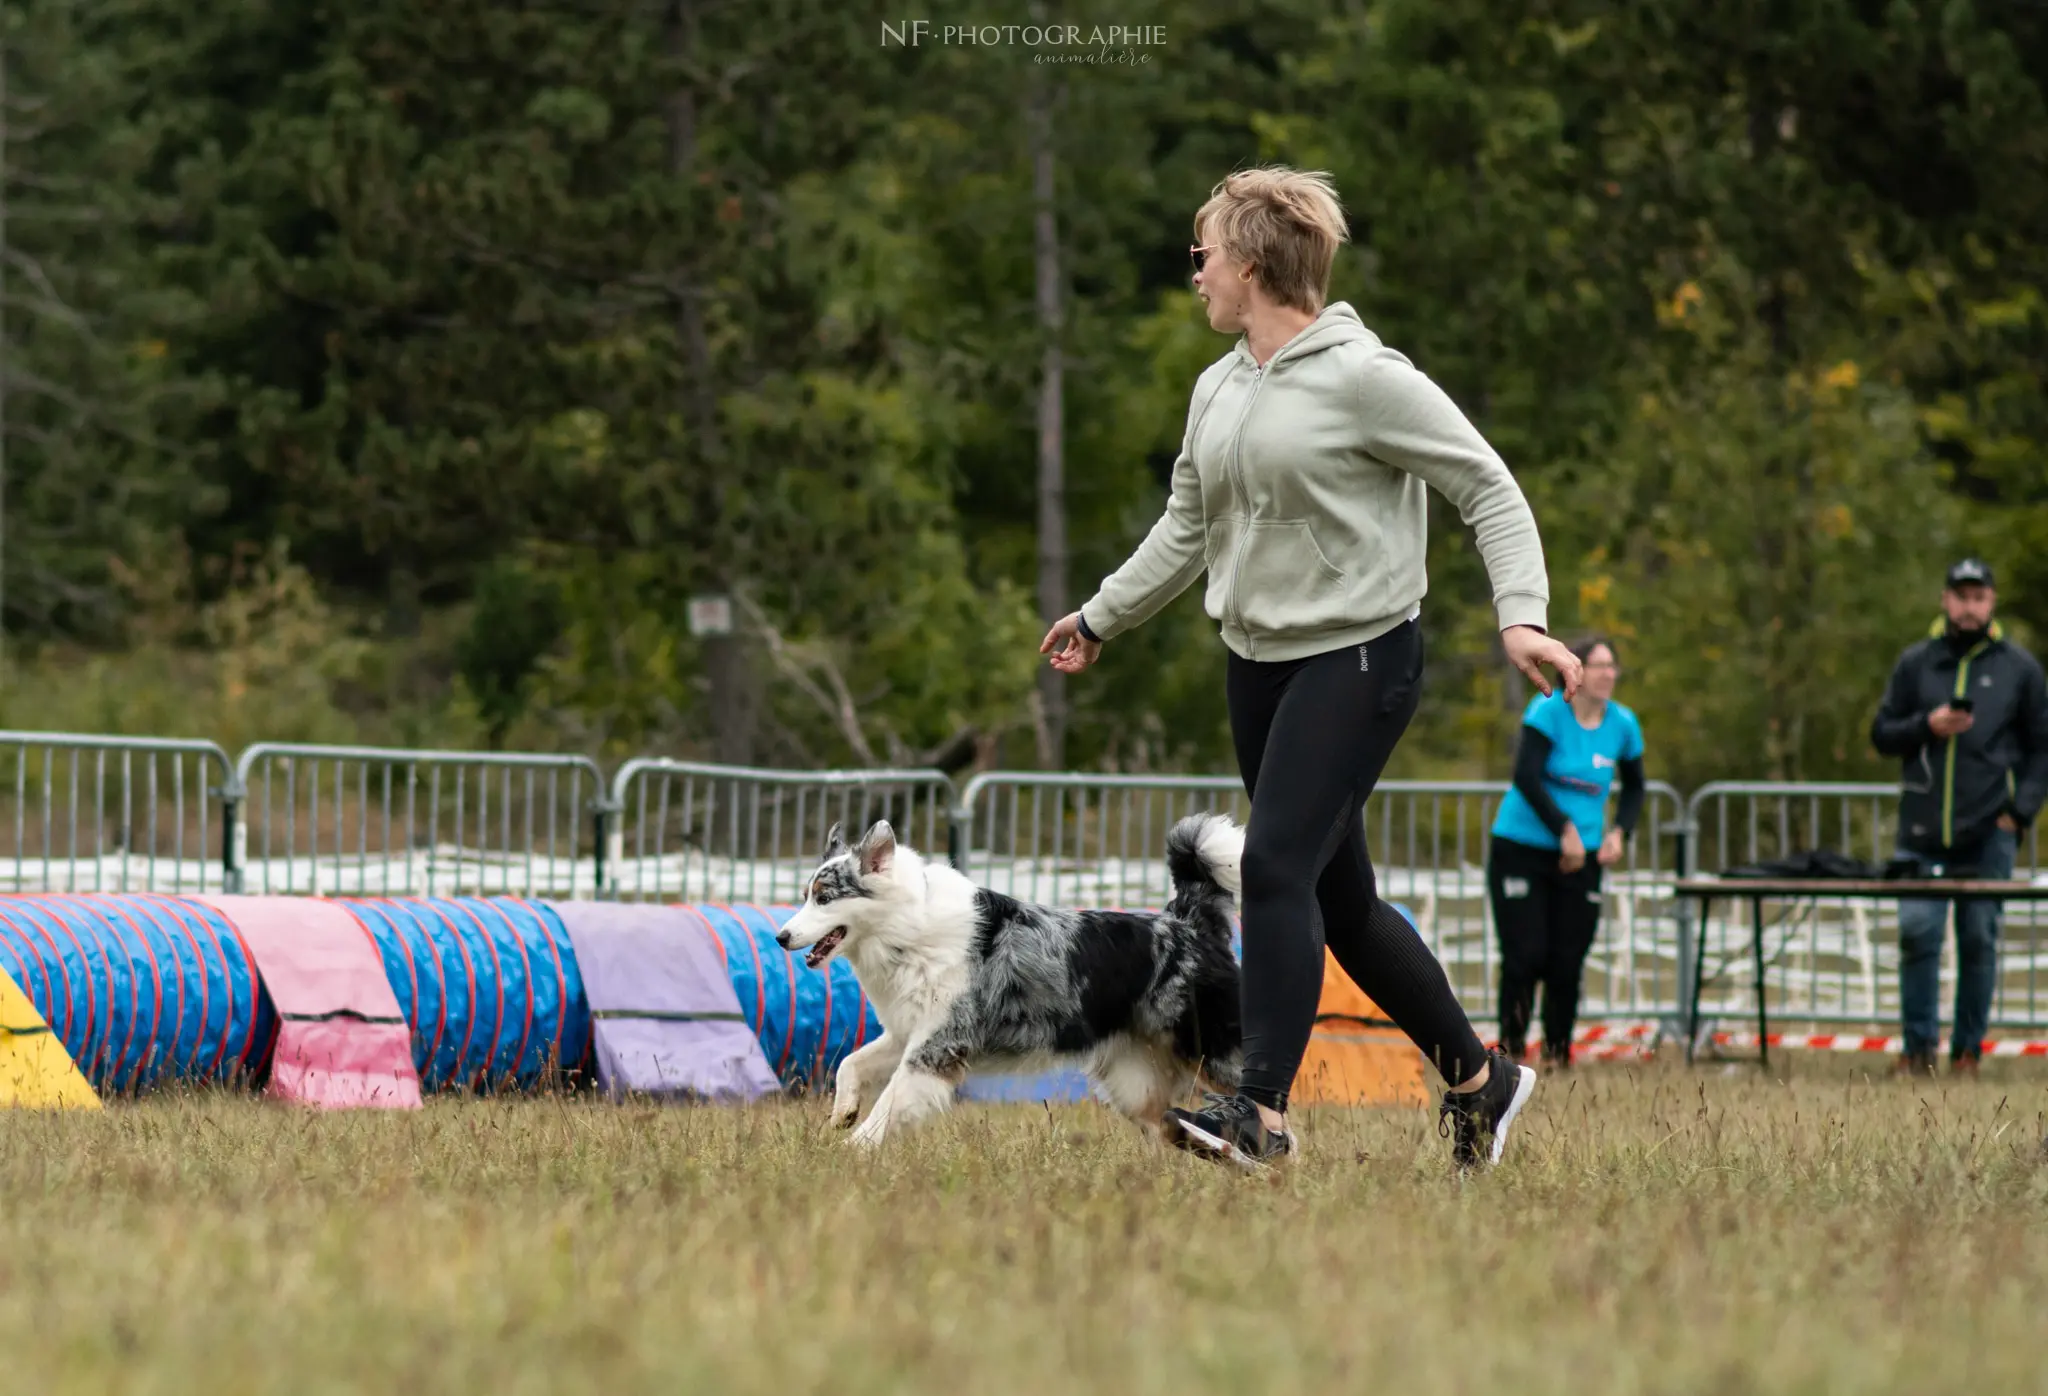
{"x": 1477, "y": 1122}
{"x": 1228, "y": 1128}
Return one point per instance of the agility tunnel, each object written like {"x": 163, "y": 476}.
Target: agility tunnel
{"x": 371, "y": 1001}
{"x": 349, "y": 1002}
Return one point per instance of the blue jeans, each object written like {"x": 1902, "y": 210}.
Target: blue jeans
{"x": 1921, "y": 923}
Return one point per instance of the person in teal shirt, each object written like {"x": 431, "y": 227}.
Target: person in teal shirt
{"x": 1544, "y": 887}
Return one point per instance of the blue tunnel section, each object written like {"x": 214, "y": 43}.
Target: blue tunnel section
{"x": 807, "y": 1020}
{"x": 142, "y": 990}
{"x": 489, "y": 986}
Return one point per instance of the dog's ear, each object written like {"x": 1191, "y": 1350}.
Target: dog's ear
{"x": 835, "y": 842}
{"x": 877, "y": 848}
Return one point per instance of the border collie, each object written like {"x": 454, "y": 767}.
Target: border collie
{"x": 962, "y": 977}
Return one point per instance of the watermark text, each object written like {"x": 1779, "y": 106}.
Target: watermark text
{"x": 915, "y": 33}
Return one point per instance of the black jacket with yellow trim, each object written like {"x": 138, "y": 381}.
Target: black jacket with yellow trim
{"x": 1952, "y": 792}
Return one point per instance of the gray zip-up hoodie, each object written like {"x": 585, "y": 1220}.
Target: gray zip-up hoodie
{"x": 1300, "y": 489}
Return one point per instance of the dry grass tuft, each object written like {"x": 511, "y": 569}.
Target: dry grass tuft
{"x": 1652, "y": 1230}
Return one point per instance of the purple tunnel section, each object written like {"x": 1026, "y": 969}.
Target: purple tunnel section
{"x": 666, "y": 1019}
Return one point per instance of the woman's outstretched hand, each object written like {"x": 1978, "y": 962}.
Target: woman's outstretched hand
{"x": 1071, "y": 651}
{"x": 1531, "y": 649}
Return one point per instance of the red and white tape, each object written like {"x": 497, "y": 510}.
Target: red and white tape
{"x": 1618, "y": 1041}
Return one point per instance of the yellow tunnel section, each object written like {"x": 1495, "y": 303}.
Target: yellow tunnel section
{"x": 35, "y": 1070}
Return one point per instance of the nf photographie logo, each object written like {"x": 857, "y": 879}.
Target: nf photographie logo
{"x": 1047, "y": 43}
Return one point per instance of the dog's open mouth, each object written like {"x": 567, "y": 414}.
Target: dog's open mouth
{"x": 827, "y": 943}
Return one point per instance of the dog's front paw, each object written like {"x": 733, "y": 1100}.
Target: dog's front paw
{"x": 845, "y": 1112}
{"x": 869, "y": 1135}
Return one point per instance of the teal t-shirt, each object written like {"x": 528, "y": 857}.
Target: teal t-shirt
{"x": 1579, "y": 773}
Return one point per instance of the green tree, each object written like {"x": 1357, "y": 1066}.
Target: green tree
{"x": 97, "y": 414}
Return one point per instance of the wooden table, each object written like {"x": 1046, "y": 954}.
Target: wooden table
{"x": 1758, "y": 890}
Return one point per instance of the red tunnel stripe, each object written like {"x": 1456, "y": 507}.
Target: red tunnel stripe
{"x": 156, "y": 1013}
{"x": 469, "y": 972}
{"x": 789, "y": 972}
{"x": 150, "y": 907}
{"x": 92, "y": 1015}
{"x": 760, "y": 993}
{"x": 190, "y": 915}
{"x": 561, "y": 979}
{"x": 739, "y": 913}
{"x": 401, "y": 924}
{"x": 526, "y": 1028}
{"x": 31, "y": 966}
{"x": 498, "y": 984}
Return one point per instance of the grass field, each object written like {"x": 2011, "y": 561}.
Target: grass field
{"x": 1652, "y": 1230}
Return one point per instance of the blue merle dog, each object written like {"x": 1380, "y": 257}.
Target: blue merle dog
{"x": 964, "y": 978}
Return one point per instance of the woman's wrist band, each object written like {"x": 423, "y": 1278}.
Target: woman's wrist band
{"x": 1081, "y": 620}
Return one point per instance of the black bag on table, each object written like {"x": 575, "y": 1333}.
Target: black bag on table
{"x": 1824, "y": 864}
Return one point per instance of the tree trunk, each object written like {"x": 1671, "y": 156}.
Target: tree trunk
{"x": 5, "y": 167}
{"x": 1052, "y": 492}
{"x": 729, "y": 670}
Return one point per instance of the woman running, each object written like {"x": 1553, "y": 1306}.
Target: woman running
{"x": 1544, "y": 885}
{"x": 1300, "y": 490}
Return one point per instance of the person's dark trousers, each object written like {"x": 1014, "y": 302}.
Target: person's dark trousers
{"x": 1312, "y": 737}
{"x": 1546, "y": 920}
{"x": 1922, "y": 923}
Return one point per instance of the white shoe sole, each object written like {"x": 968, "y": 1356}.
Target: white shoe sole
{"x": 1525, "y": 1086}
{"x": 1224, "y": 1149}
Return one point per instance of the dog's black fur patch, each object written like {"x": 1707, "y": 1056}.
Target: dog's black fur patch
{"x": 1050, "y": 980}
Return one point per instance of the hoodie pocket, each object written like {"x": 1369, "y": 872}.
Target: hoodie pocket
{"x": 1281, "y": 582}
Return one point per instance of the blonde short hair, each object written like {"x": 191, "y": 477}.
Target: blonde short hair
{"x": 1283, "y": 222}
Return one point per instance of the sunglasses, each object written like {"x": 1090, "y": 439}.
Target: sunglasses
{"x": 1200, "y": 255}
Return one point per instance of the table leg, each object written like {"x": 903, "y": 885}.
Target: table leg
{"x": 1763, "y": 1022}
{"x": 1699, "y": 966}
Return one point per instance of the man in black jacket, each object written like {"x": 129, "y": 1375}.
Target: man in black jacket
{"x": 1967, "y": 714}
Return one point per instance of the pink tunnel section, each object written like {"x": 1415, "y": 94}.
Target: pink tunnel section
{"x": 341, "y": 1040}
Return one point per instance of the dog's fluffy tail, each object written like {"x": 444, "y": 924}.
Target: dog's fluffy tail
{"x": 1205, "y": 855}
{"x": 1205, "y": 858}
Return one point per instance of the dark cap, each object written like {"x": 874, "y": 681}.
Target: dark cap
{"x": 1970, "y": 572}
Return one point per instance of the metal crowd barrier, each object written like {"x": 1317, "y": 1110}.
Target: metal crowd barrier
{"x": 693, "y": 832}
{"x": 1098, "y": 840}
{"x": 1834, "y": 963}
{"x": 94, "y": 813}
{"x": 374, "y": 821}
{"x": 110, "y": 814}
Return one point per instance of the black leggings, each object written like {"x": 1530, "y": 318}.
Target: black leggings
{"x": 1312, "y": 737}
{"x": 1546, "y": 919}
